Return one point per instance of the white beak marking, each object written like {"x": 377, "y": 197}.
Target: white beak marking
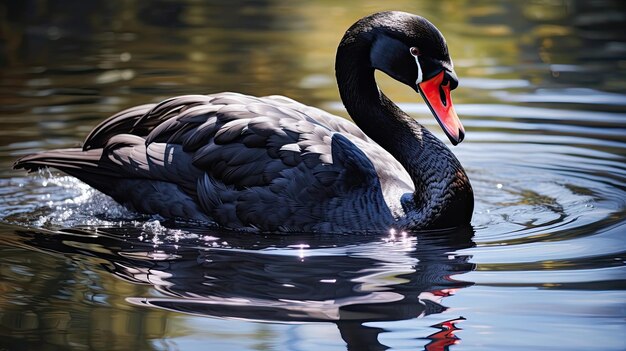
{"x": 420, "y": 75}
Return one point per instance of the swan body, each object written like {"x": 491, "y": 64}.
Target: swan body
{"x": 274, "y": 164}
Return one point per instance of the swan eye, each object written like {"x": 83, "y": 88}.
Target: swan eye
{"x": 414, "y": 51}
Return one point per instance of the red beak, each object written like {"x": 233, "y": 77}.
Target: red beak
{"x": 437, "y": 97}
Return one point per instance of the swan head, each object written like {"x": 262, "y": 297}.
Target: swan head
{"x": 413, "y": 51}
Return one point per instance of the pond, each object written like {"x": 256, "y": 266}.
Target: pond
{"x": 542, "y": 96}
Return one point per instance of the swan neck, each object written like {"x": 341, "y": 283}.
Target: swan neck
{"x": 368, "y": 107}
{"x": 435, "y": 171}
{"x": 378, "y": 117}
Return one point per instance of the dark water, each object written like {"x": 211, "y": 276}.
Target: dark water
{"x": 543, "y": 99}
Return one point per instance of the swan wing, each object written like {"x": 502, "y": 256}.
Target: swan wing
{"x": 246, "y": 162}
{"x": 334, "y": 122}
{"x": 394, "y": 179}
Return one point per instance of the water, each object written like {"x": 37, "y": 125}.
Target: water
{"x": 543, "y": 100}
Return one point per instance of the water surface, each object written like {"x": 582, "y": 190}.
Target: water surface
{"x": 542, "y": 96}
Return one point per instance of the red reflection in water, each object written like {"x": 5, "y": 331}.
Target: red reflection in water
{"x": 443, "y": 339}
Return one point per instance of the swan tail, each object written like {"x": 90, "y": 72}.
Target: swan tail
{"x": 84, "y": 165}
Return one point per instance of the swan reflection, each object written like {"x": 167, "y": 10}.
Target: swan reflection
{"x": 286, "y": 279}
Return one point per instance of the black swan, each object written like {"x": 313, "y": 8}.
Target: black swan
{"x": 273, "y": 164}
